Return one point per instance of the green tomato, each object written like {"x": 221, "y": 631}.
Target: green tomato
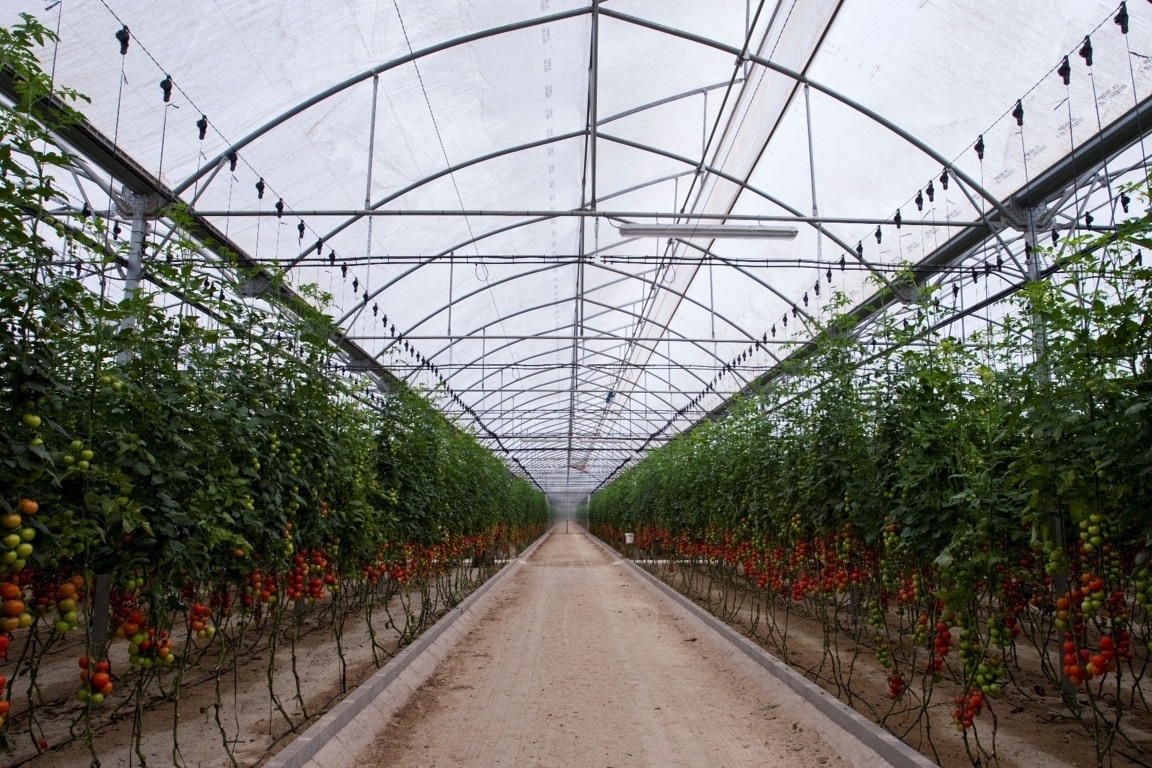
{"x": 27, "y": 534}
{"x": 87, "y": 455}
{"x": 24, "y": 550}
{"x": 31, "y": 420}
{"x": 11, "y": 541}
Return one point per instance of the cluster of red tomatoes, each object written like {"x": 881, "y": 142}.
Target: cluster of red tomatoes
{"x": 261, "y": 586}
{"x": 200, "y": 622}
{"x": 299, "y": 585}
{"x": 896, "y": 686}
{"x": 95, "y": 681}
{"x": 941, "y": 644}
{"x": 967, "y": 708}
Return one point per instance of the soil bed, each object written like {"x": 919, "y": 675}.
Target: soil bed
{"x": 578, "y": 662}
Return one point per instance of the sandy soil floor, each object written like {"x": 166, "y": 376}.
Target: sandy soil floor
{"x": 578, "y": 663}
{"x": 1029, "y": 727}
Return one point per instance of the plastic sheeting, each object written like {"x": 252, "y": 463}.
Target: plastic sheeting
{"x": 516, "y": 137}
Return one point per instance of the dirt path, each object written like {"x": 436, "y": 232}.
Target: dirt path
{"x": 578, "y": 663}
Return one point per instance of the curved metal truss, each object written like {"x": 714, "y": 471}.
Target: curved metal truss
{"x": 572, "y": 360}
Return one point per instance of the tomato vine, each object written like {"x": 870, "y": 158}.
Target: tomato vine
{"x": 182, "y": 466}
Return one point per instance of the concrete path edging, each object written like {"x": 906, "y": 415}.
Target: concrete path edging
{"x": 884, "y": 743}
{"x": 394, "y": 682}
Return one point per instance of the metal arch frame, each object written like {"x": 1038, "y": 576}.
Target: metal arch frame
{"x": 565, "y": 366}
{"x": 356, "y": 79}
{"x": 532, "y": 145}
{"x": 573, "y": 13}
{"x": 611, "y": 308}
{"x": 413, "y": 56}
{"x": 826, "y": 90}
{"x": 818, "y": 226}
{"x": 561, "y": 418}
{"x": 682, "y": 294}
{"x": 492, "y": 233}
{"x": 517, "y": 313}
{"x": 604, "y": 353}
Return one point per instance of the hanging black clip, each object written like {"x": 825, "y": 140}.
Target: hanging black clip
{"x": 842, "y": 262}
{"x": 280, "y": 208}
{"x": 123, "y": 35}
{"x": 898, "y": 219}
{"x": 85, "y": 211}
{"x": 1124, "y": 200}
{"x": 931, "y": 192}
{"x": 319, "y": 247}
{"x": 944, "y": 178}
{"x": 773, "y": 330}
{"x": 1086, "y": 51}
{"x": 375, "y": 310}
{"x": 979, "y": 147}
{"x": 355, "y": 284}
{"x": 116, "y": 231}
{"x": 260, "y": 189}
{"x": 1055, "y": 237}
{"x": 805, "y": 298}
{"x": 879, "y": 235}
{"x": 331, "y": 256}
{"x": 1065, "y": 71}
{"x": 344, "y": 270}
{"x": 300, "y": 229}
{"x": 1087, "y": 220}
{"x": 233, "y": 158}
{"x": 202, "y": 124}
{"x": 365, "y": 298}
{"x": 1018, "y": 112}
{"x": 859, "y": 251}
{"x": 919, "y": 200}
{"x": 1121, "y": 18}
{"x": 166, "y": 87}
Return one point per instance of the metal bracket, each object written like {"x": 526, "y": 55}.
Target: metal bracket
{"x": 137, "y": 206}
{"x": 1023, "y": 218}
{"x": 907, "y": 294}
{"x": 256, "y": 286}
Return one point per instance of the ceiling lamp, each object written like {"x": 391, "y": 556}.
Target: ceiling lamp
{"x": 707, "y": 230}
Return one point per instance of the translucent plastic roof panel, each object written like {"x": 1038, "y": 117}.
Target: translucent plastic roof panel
{"x": 461, "y": 177}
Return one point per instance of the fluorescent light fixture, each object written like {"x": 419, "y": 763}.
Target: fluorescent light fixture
{"x": 707, "y": 230}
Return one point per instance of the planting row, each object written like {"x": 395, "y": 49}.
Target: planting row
{"x": 955, "y": 495}
{"x": 178, "y": 462}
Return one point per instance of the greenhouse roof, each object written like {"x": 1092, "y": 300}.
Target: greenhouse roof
{"x": 586, "y": 226}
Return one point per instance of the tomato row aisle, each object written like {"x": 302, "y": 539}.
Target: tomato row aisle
{"x": 184, "y": 472}
{"x": 911, "y": 500}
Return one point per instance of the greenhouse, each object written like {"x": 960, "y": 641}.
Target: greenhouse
{"x": 569, "y": 383}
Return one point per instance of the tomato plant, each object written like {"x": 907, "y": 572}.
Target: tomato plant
{"x": 178, "y": 475}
